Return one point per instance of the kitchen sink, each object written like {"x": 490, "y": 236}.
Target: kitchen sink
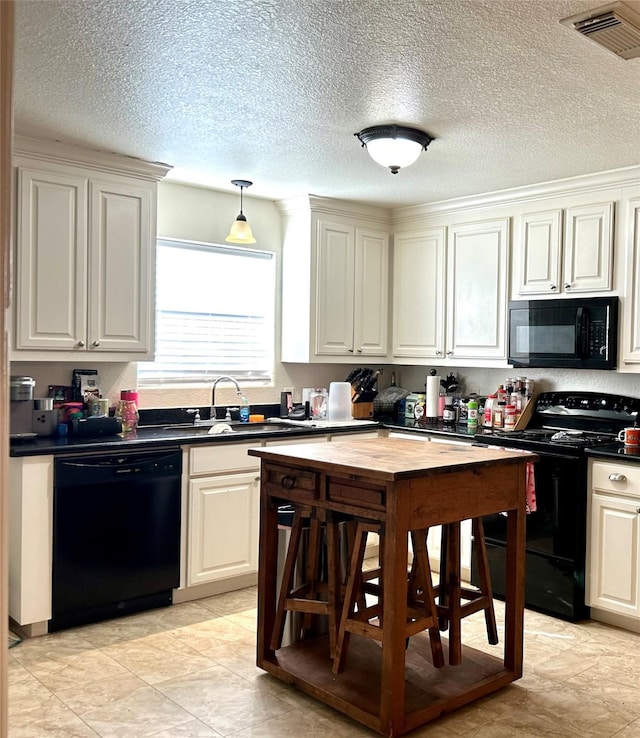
{"x": 190, "y": 429}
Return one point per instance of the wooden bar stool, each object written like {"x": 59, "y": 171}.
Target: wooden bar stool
{"x": 366, "y": 620}
{"x": 456, "y": 602}
{"x": 313, "y": 596}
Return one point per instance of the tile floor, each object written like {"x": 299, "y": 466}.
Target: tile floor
{"x": 188, "y": 672}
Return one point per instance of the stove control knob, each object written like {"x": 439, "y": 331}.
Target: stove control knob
{"x": 617, "y": 478}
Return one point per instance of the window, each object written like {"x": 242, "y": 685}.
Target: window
{"x": 214, "y": 314}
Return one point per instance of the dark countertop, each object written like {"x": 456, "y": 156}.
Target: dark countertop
{"x": 179, "y": 435}
{"x": 162, "y": 437}
{"x": 616, "y": 451}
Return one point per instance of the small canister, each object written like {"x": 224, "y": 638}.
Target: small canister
{"x": 509, "y": 417}
{"x": 21, "y": 388}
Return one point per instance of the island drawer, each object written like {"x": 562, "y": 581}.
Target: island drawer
{"x": 356, "y": 493}
{"x": 298, "y": 484}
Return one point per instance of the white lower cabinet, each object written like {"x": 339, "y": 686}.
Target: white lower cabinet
{"x": 223, "y": 513}
{"x": 613, "y": 542}
{"x": 30, "y": 539}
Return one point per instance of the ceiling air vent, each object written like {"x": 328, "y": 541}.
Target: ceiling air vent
{"x": 615, "y": 26}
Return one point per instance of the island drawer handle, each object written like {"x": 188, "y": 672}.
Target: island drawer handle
{"x": 288, "y": 482}
{"x": 617, "y": 477}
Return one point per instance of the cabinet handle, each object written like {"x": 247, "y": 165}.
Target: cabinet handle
{"x": 567, "y": 286}
{"x": 359, "y": 351}
{"x": 438, "y": 352}
{"x": 617, "y": 478}
{"x": 553, "y": 287}
{"x": 96, "y": 343}
{"x": 350, "y": 351}
{"x": 288, "y": 482}
{"x": 638, "y": 510}
{"x": 449, "y": 353}
{"x": 80, "y": 344}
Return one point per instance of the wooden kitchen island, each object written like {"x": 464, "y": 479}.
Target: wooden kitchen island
{"x": 405, "y": 485}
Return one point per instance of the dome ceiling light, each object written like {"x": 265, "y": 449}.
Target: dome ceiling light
{"x": 240, "y": 230}
{"x": 394, "y": 146}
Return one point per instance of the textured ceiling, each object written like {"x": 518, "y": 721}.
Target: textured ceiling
{"x": 273, "y": 90}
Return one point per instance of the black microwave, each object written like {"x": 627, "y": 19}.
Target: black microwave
{"x": 574, "y": 333}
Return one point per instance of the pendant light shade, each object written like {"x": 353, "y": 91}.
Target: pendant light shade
{"x": 394, "y": 146}
{"x": 240, "y": 231}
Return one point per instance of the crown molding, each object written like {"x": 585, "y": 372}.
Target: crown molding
{"x": 57, "y": 152}
{"x": 545, "y": 190}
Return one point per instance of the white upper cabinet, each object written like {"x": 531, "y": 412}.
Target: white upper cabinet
{"x": 450, "y": 292}
{"x": 335, "y": 283}
{"x": 630, "y": 328}
{"x": 477, "y": 276}
{"x": 419, "y": 271}
{"x": 85, "y": 243}
{"x": 576, "y": 258}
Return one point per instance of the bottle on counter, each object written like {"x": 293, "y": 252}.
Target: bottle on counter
{"x": 244, "y": 410}
{"x": 501, "y": 394}
{"x": 498, "y": 414}
{"x": 487, "y": 420}
{"x": 449, "y": 412}
{"x": 472, "y": 414}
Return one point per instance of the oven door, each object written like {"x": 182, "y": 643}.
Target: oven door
{"x": 555, "y": 539}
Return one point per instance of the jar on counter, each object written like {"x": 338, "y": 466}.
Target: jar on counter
{"x": 498, "y": 415}
{"x": 487, "y": 420}
{"x": 127, "y": 413}
{"x": 509, "y": 417}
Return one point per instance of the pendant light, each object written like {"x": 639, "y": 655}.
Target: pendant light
{"x": 240, "y": 231}
{"x": 394, "y": 146}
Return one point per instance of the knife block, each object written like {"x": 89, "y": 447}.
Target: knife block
{"x": 362, "y": 410}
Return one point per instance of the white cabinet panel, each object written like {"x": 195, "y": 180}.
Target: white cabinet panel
{"x": 613, "y": 544}
{"x": 539, "y": 252}
{"x": 335, "y": 289}
{"x": 223, "y": 527}
{"x": 418, "y": 293}
{"x": 630, "y": 330}
{"x": 335, "y": 282}
{"x": 477, "y": 261}
{"x": 578, "y": 258}
{"x": 51, "y": 261}
{"x": 120, "y": 264}
{"x": 85, "y": 267}
{"x": 30, "y": 538}
{"x": 588, "y": 248}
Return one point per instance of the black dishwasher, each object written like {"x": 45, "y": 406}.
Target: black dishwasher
{"x": 116, "y": 535}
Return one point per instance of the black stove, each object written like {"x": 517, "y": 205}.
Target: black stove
{"x": 568, "y": 422}
{"x": 563, "y": 425}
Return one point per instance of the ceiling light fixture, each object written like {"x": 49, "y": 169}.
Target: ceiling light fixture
{"x": 394, "y": 146}
{"x": 240, "y": 231}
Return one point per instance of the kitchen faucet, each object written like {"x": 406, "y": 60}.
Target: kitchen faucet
{"x": 212, "y": 414}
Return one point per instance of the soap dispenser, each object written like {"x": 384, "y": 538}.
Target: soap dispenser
{"x": 244, "y": 410}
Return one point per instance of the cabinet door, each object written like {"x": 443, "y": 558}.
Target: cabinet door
{"x": 120, "y": 268}
{"x": 630, "y": 332}
{"x": 539, "y": 252}
{"x": 418, "y": 293}
{"x": 223, "y": 527}
{"x": 371, "y": 302}
{"x": 588, "y": 248}
{"x": 615, "y": 554}
{"x": 51, "y": 285}
{"x": 477, "y": 289}
{"x": 335, "y": 289}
